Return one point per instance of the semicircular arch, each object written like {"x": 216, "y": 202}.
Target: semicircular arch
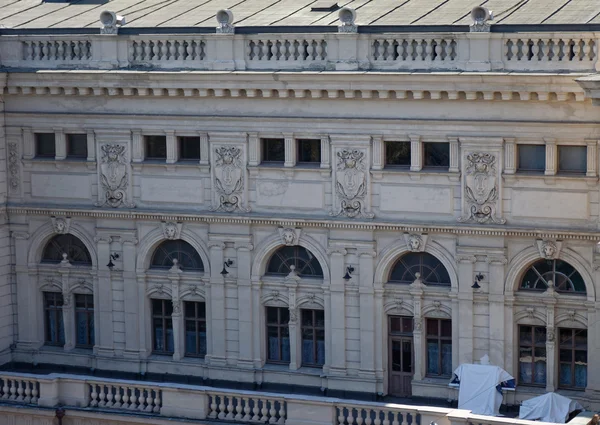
{"x": 46, "y": 232}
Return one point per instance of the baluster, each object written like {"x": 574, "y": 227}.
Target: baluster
{"x": 256, "y": 410}
{"x": 247, "y": 410}
{"x": 420, "y": 49}
{"x": 27, "y": 398}
{"x": 34, "y": 393}
{"x": 154, "y": 51}
{"x": 230, "y": 408}
{"x": 319, "y": 50}
{"x": 188, "y": 50}
{"x": 213, "y": 407}
{"x": 93, "y": 396}
{"x": 102, "y": 395}
{"x": 172, "y": 50}
{"x": 586, "y": 50}
{"x": 149, "y": 400}
{"x": 281, "y": 414}
{"x": 140, "y": 399}
{"x": 239, "y": 409}
{"x": 264, "y": 411}
{"x": 110, "y": 396}
{"x": 508, "y": 45}
{"x": 438, "y": 49}
{"x": 577, "y": 50}
{"x": 221, "y": 414}
{"x": 359, "y": 418}
{"x": 535, "y": 50}
{"x": 44, "y": 50}
{"x": 377, "y": 420}
{"x": 126, "y": 399}
{"x": 181, "y": 53}
{"x": 164, "y": 50}
{"x": 546, "y": 50}
{"x": 117, "y": 404}
{"x": 341, "y": 418}
{"x": 428, "y": 50}
{"x": 272, "y": 412}
{"x": 76, "y": 51}
{"x": 386, "y": 417}
{"x": 20, "y": 390}
{"x": 157, "y": 401}
{"x": 368, "y": 420}
{"x": 88, "y": 49}
{"x": 385, "y": 52}
{"x": 13, "y": 389}
{"x": 395, "y": 416}
{"x": 404, "y": 418}
{"x": 60, "y": 51}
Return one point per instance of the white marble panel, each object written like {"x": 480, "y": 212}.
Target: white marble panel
{"x": 550, "y": 204}
{"x": 60, "y": 186}
{"x": 419, "y": 199}
{"x": 162, "y": 189}
{"x": 289, "y": 194}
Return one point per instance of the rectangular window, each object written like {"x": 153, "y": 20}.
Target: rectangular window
{"x": 195, "y": 329}
{"x": 313, "y": 337}
{"x": 573, "y": 358}
{"x": 572, "y": 159}
{"x": 162, "y": 327}
{"x": 531, "y": 158}
{"x": 84, "y": 320}
{"x": 156, "y": 147}
{"x": 436, "y": 155}
{"x": 77, "y": 146}
{"x": 532, "y": 355}
{"x": 401, "y": 325}
{"x": 189, "y": 148}
{"x": 439, "y": 347}
{"x": 278, "y": 335}
{"x": 273, "y": 150}
{"x": 45, "y": 145}
{"x": 397, "y": 154}
{"x": 53, "y": 315}
{"x": 309, "y": 151}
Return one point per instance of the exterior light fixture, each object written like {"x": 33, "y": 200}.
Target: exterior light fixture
{"x": 110, "y": 264}
{"x": 349, "y": 271}
{"x": 227, "y": 263}
{"x": 478, "y": 278}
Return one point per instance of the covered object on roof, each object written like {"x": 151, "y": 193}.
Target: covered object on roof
{"x": 479, "y": 389}
{"x": 550, "y": 407}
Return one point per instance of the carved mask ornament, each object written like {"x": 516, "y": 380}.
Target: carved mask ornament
{"x": 481, "y": 189}
{"x": 351, "y": 183}
{"x": 114, "y": 176}
{"x": 229, "y": 178}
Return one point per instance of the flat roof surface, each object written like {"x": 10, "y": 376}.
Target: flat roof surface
{"x": 24, "y": 14}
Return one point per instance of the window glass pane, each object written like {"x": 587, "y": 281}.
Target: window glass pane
{"x": 396, "y": 356}
{"x": 581, "y": 339}
{"x": 432, "y": 327}
{"x": 272, "y": 343}
{"x": 309, "y": 150}
{"x": 158, "y": 335}
{"x": 397, "y": 153}
{"x": 320, "y": 347}
{"x": 186, "y": 255}
{"x": 525, "y": 335}
{"x": 284, "y": 316}
{"x": 540, "y": 335}
{"x": 565, "y": 337}
{"x": 189, "y": 148}
{"x": 305, "y": 262}
{"x": 169, "y": 331}
{"x": 319, "y": 318}
{"x": 76, "y": 251}
{"x": 285, "y": 345}
{"x": 190, "y": 310}
{"x": 565, "y": 375}
{"x": 307, "y": 318}
{"x": 446, "y": 328}
{"x": 77, "y": 146}
{"x": 433, "y": 357}
{"x": 431, "y": 269}
{"x": 190, "y": 337}
{"x": 45, "y": 145}
{"x": 168, "y": 308}
{"x": 81, "y": 325}
{"x": 572, "y": 159}
{"x": 525, "y": 365}
{"x": 156, "y": 147}
{"x": 436, "y": 154}
{"x": 273, "y": 150}
{"x": 395, "y": 324}
{"x": 565, "y": 355}
{"x": 407, "y": 325}
{"x": 308, "y": 349}
{"x": 446, "y": 358}
{"x": 272, "y": 316}
{"x": 532, "y": 158}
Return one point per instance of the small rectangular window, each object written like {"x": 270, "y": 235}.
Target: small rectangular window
{"x": 532, "y": 355}
{"x": 278, "y": 335}
{"x": 162, "y": 327}
{"x": 572, "y": 159}
{"x": 273, "y": 150}
{"x": 309, "y": 151}
{"x": 531, "y": 158}
{"x": 156, "y": 147}
{"x": 573, "y": 358}
{"x": 53, "y": 318}
{"x": 45, "y": 145}
{"x": 195, "y": 329}
{"x": 397, "y": 154}
{"x": 436, "y": 155}
{"x": 77, "y": 146}
{"x": 84, "y": 320}
{"x": 313, "y": 338}
{"x": 189, "y": 148}
{"x": 439, "y": 347}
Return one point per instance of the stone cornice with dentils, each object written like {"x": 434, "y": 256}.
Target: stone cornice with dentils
{"x": 316, "y": 85}
{"x": 256, "y": 220}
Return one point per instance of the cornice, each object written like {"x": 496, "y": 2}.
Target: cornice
{"x": 208, "y": 218}
{"x": 359, "y": 86}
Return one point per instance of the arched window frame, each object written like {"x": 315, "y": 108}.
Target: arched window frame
{"x": 295, "y": 259}
{"x": 541, "y": 282}
{"x": 77, "y": 252}
{"x": 426, "y": 271}
{"x": 184, "y": 255}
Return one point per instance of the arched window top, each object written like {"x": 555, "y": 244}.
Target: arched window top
{"x": 76, "y": 251}
{"x": 187, "y": 257}
{"x": 563, "y": 275}
{"x": 431, "y": 269}
{"x": 305, "y": 262}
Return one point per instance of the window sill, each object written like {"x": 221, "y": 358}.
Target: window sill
{"x": 416, "y": 175}
{"x": 285, "y": 367}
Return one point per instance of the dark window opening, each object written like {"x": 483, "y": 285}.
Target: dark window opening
{"x": 77, "y": 146}
{"x": 53, "y": 315}
{"x": 532, "y": 355}
{"x": 572, "y": 159}
{"x": 436, "y": 155}
{"x": 195, "y": 329}
{"x": 76, "y": 251}
{"x": 531, "y": 158}
{"x": 432, "y": 271}
{"x": 564, "y": 277}
{"x": 305, "y": 263}
{"x": 162, "y": 327}
{"x": 45, "y": 145}
{"x": 273, "y": 150}
{"x": 439, "y": 347}
{"x": 156, "y": 147}
{"x": 84, "y": 320}
{"x": 189, "y": 148}
{"x": 397, "y": 154}
{"x": 313, "y": 338}
{"x": 278, "y": 335}
{"x": 187, "y": 257}
{"x": 309, "y": 151}
{"x": 573, "y": 358}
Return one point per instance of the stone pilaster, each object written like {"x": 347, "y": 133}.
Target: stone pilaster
{"x": 454, "y": 155}
{"x": 247, "y": 333}
{"x": 367, "y": 313}
{"x": 217, "y": 356}
{"x": 204, "y": 154}
{"x": 325, "y": 152}
{"x": 103, "y": 298}
{"x": 253, "y": 149}
{"x": 176, "y": 317}
{"x": 510, "y": 156}
{"x": 337, "y": 313}
{"x": 466, "y": 263}
{"x": 172, "y": 147}
{"x": 137, "y": 146}
{"x": 378, "y": 152}
{"x": 130, "y": 296}
{"x": 60, "y": 144}
{"x": 290, "y": 150}
{"x": 592, "y": 158}
{"x": 551, "y": 157}
{"x": 416, "y": 153}
{"x": 68, "y": 310}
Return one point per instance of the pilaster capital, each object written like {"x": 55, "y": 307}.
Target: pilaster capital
{"x": 216, "y": 245}
{"x": 466, "y": 258}
{"x": 102, "y": 239}
{"x": 241, "y": 246}
{"x": 367, "y": 253}
{"x": 496, "y": 260}
{"x": 337, "y": 251}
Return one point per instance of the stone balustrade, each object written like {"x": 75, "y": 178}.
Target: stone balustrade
{"x": 152, "y": 401}
{"x": 540, "y": 52}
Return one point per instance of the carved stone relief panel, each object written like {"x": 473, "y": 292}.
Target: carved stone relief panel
{"x": 61, "y": 225}
{"x": 114, "y": 176}
{"x": 14, "y": 168}
{"x": 481, "y": 188}
{"x": 229, "y": 178}
{"x": 351, "y": 184}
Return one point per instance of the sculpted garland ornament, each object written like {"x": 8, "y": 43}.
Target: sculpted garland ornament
{"x": 351, "y": 184}
{"x": 114, "y": 177}
{"x": 481, "y": 189}
{"x": 229, "y": 179}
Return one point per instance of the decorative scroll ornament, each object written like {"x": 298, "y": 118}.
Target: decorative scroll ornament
{"x": 481, "y": 189}
{"x": 114, "y": 176}
{"x": 13, "y": 167}
{"x": 229, "y": 179}
{"x": 351, "y": 184}
{"x": 61, "y": 225}
{"x": 171, "y": 230}
{"x": 289, "y": 236}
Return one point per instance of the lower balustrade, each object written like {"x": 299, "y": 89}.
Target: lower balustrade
{"x": 145, "y": 403}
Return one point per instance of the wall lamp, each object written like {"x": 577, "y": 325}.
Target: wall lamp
{"x": 227, "y": 263}
{"x": 478, "y": 278}
{"x": 349, "y": 271}
{"x": 113, "y": 256}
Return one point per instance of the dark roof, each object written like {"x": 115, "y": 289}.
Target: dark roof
{"x": 25, "y": 14}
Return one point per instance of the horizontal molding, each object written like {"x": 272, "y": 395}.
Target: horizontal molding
{"x": 207, "y": 218}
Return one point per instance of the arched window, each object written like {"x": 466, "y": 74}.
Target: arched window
{"x": 305, "y": 262}
{"x": 187, "y": 257}
{"x": 563, "y": 275}
{"x": 432, "y": 270}
{"x": 76, "y": 251}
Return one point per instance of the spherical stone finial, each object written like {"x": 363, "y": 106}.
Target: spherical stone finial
{"x": 64, "y": 256}
{"x": 347, "y": 17}
{"x": 418, "y": 275}
{"x": 175, "y": 261}
{"x": 292, "y": 267}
